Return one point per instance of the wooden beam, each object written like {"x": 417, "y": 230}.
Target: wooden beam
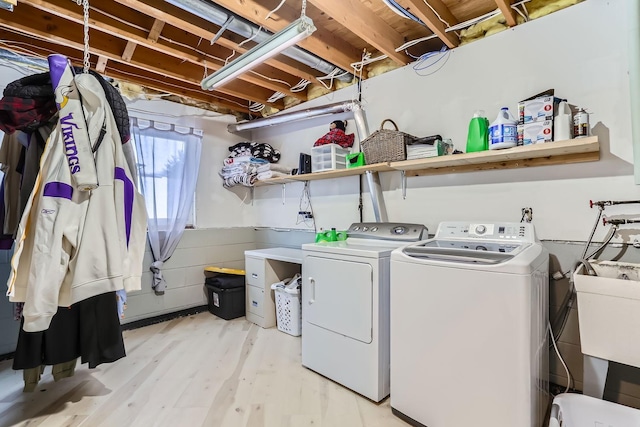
{"x": 128, "y": 50}
{"x": 156, "y": 29}
{"x": 443, "y": 11}
{"x": 128, "y": 73}
{"x": 199, "y": 27}
{"x": 101, "y": 64}
{"x": 114, "y": 27}
{"x": 428, "y": 16}
{"x": 363, "y": 22}
{"x": 322, "y": 43}
{"x": 507, "y": 11}
{"x": 61, "y": 31}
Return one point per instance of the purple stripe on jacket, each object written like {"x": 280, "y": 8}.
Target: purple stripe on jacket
{"x": 128, "y": 199}
{"x": 58, "y": 189}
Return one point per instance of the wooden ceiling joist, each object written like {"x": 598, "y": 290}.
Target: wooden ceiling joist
{"x": 134, "y": 36}
{"x": 128, "y": 50}
{"x": 427, "y": 15}
{"x": 363, "y": 22}
{"x": 507, "y": 11}
{"x": 40, "y": 25}
{"x": 177, "y": 17}
{"x": 321, "y": 43}
{"x": 126, "y": 73}
{"x": 101, "y": 64}
{"x": 156, "y": 29}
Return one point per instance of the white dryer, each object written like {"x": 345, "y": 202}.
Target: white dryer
{"x": 469, "y": 313}
{"x": 345, "y": 305}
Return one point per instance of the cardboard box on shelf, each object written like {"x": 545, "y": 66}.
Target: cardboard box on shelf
{"x": 535, "y": 133}
{"x": 537, "y": 109}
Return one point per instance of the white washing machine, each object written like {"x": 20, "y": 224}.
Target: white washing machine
{"x": 345, "y": 305}
{"x": 469, "y": 313}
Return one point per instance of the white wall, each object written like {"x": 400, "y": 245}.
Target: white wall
{"x": 582, "y": 62}
{"x": 184, "y": 272}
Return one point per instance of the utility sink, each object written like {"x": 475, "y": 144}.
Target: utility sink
{"x": 609, "y": 311}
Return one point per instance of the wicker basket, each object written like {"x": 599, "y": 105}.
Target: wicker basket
{"x": 385, "y": 145}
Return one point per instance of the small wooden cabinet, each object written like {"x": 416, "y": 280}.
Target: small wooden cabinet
{"x": 263, "y": 267}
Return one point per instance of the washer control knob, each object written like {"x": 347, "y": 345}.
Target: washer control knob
{"x": 481, "y": 229}
{"x": 365, "y": 228}
{"x": 399, "y": 230}
{"x": 374, "y": 229}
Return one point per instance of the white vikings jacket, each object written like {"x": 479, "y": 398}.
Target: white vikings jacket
{"x": 72, "y": 245}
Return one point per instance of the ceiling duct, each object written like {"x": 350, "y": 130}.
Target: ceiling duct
{"x": 219, "y": 16}
{"x": 293, "y": 116}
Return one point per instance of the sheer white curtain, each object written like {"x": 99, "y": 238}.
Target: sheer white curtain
{"x": 168, "y": 157}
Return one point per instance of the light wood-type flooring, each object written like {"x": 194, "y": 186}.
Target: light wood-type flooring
{"x": 193, "y": 371}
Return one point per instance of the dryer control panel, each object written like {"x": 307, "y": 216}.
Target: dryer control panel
{"x": 395, "y": 231}
{"x": 513, "y": 232}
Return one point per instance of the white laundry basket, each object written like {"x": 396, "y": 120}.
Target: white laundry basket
{"x": 288, "y": 306}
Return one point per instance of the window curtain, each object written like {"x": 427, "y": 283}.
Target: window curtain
{"x": 168, "y": 158}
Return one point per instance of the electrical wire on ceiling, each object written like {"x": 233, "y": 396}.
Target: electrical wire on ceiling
{"x": 465, "y": 24}
{"x": 367, "y": 59}
{"x": 256, "y": 107}
{"x": 270, "y": 78}
{"x": 275, "y": 97}
{"x": 431, "y": 59}
{"x": 399, "y": 10}
{"x": 300, "y": 86}
{"x": 335, "y": 74}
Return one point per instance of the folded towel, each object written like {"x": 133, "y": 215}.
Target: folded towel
{"x": 264, "y": 175}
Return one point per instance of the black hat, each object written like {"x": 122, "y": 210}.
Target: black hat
{"x": 340, "y": 124}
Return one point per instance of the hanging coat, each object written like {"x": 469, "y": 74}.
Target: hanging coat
{"x": 72, "y": 245}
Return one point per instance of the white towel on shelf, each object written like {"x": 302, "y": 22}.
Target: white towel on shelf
{"x": 265, "y": 175}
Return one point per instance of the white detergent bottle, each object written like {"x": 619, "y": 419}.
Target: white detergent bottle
{"x": 562, "y": 123}
{"x": 503, "y": 131}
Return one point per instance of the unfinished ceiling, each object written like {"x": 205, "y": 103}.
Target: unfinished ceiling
{"x": 166, "y": 46}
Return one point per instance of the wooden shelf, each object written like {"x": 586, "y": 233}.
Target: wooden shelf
{"x": 551, "y": 153}
{"x": 339, "y": 173}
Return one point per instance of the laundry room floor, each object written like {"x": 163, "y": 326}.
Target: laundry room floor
{"x": 192, "y": 371}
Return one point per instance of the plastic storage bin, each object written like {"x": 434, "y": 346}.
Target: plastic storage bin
{"x": 577, "y": 410}
{"x": 225, "y": 295}
{"x": 288, "y": 306}
{"x": 328, "y": 157}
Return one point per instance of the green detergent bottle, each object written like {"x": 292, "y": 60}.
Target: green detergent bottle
{"x": 478, "y": 136}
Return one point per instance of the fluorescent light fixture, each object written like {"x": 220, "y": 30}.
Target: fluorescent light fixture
{"x": 293, "y": 33}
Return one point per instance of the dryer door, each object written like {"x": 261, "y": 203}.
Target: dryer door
{"x": 338, "y": 296}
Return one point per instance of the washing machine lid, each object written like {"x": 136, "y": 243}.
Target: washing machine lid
{"x": 468, "y": 252}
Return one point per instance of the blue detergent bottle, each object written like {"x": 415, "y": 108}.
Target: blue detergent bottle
{"x": 478, "y": 136}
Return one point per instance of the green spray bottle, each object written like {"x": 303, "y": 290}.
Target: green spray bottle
{"x": 478, "y": 136}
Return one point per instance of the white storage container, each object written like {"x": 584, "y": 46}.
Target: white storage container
{"x": 609, "y": 311}
{"x": 328, "y": 157}
{"x": 577, "y": 410}
{"x": 288, "y": 306}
